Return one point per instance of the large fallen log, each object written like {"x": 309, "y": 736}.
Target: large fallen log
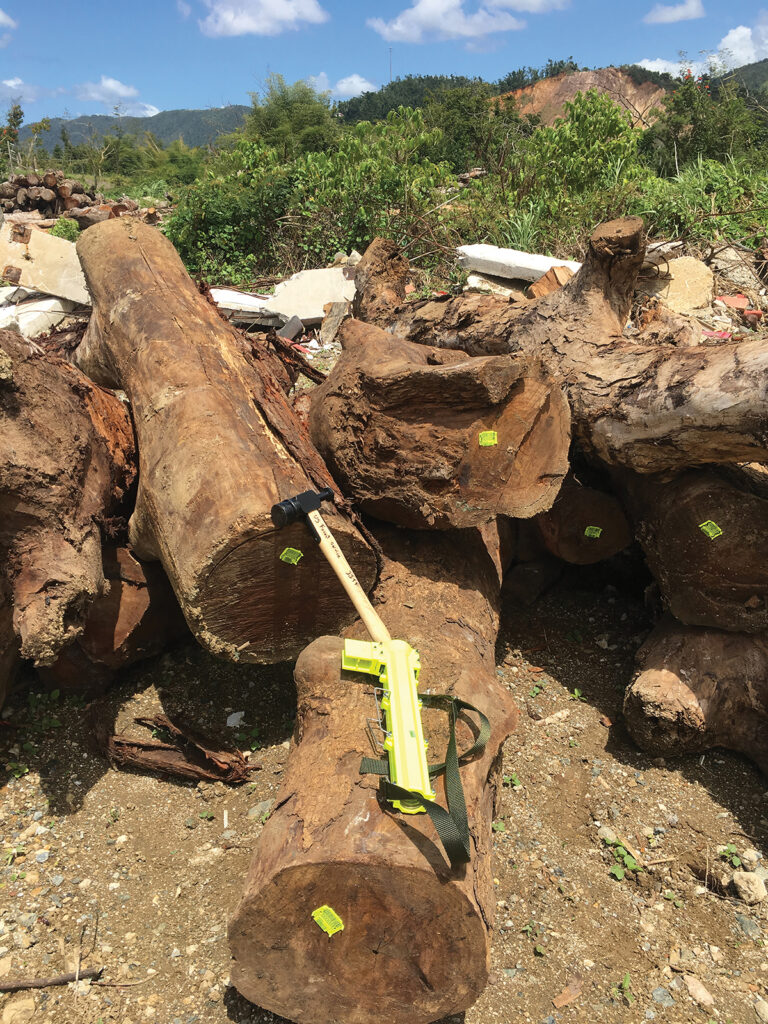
{"x": 218, "y": 446}
{"x": 415, "y": 943}
{"x": 584, "y": 525}
{"x": 698, "y": 689}
{"x": 420, "y": 437}
{"x": 138, "y": 616}
{"x": 67, "y": 460}
{"x": 705, "y": 542}
{"x": 635, "y": 403}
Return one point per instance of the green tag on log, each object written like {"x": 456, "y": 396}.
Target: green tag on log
{"x": 594, "y": 532}
{"x": 292, "y": 556}
{"x": 711, "y": 529}
{"x": 488, "y": 438}
{"x": 325, "y": 917}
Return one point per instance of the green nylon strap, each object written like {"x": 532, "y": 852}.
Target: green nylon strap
{"x": 452, "y": 825}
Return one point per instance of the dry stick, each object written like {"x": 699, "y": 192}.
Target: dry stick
{"x": 58, "y": 979}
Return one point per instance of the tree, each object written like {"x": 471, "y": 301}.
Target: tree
{"x": 36, "y": 130}
{"x": 471, "y": 123}
{"x": 293, "y": 119}
{"x": 9, "y": 133}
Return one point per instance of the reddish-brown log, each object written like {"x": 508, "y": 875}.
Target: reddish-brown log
{"x": 67, "y": 460}
{"x": 424, "y": 437}
{"x": 416, "y": 933}
{"x": 700, "y": 688}
{"x": 219, "y": 445}
{"x": 584, "y": 525}
{"x": 136, "y": 617}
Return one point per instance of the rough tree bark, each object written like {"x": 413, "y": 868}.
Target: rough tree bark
{"x": 635, "y": 403}
{"x": 67, "y": 459}
{"x": 218, "y": 446}
{"x": 9, "y": 645}
{"x": 698, "y": 689}
{"x": 584, "y": 525}
{"x": 400, "y": 427}
{"x": 705, "y": 542}
{"x": 416, "y": 933}
{"x": 136, "y": 617}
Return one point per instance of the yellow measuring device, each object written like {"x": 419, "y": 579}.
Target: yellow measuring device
{"x": 394, "y": 662}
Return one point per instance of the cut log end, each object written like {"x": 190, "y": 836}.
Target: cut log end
{"x": 408, "y": 939}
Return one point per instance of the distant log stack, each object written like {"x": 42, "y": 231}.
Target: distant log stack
{"x": 50, "y": 193}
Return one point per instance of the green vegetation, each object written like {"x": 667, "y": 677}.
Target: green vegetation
{"x": 302, "y": 179}
{"x": 65, "y": 228}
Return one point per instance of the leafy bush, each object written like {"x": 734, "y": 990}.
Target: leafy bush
{"x": 67, "y": 228}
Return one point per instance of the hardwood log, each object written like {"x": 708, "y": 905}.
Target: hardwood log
{"x": 425, "y": 438}
{"x": 705, "y": 542}
{"x": 380, "y": 280}
{"x": 415, "y": 944}
{"x": 50, "y": 179}
{"x": 584, "y": 525}
{"x": 218, "y": 446}
{"x": 68, "y": 188}
{"x": 697, "y": 689}
{"x": 67, "y": 460}
{"x": 635, "y": 403}
{"x": 137, "y": 616}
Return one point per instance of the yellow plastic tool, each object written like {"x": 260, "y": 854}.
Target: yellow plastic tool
{"x": 395, "y": 662}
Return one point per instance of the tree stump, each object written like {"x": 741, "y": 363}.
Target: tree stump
{"x": 67, "y": 460}
{"x": 218, "y": 445}
{"x": 415, "y": 944}
{"x": 424, "y": 438}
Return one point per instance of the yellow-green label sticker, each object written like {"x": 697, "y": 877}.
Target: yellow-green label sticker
{"x": 292, "y": 556}
{"x": 711, "y": 529}
{"x": 488, "y": 438}
{"x": 325, "y": 917}
{"x": 594, "y": 532}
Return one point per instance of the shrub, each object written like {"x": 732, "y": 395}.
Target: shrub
{"x": 67, "y": 228}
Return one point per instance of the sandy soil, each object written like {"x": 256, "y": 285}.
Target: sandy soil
{"x": 138, "y": 874}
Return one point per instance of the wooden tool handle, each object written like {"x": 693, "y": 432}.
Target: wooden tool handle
{"x": 333, "y": 553}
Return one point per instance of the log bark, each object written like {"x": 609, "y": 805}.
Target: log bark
{"x": 697, "y": 689}
{"x": 416, "y": 934}
{"x": 9, "y": 645}
{"x": 380, "y": 280}
{"x": 584, "y": 525}
{"x": 635, "y": 403}
{"x": 709, "y": 575}
{"x": 137, "y": 616}
{"x": 402, "y": 428}
{"x": 219, "y": 445}
{"x": 67, "y": 461}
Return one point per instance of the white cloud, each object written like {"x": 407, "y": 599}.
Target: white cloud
{"x": 531, "y": 6}
{"x": 742, "y": 45}
{"x": 141, "y": 110}
{"x": 259, "y": 17}
{"x": 108, "y": 91}
{"x": 17, "y": 89}
{"x": 320, "y": 83}
{"x": 662, "y": 14}
{"x": 183, "y": 8}
{"x": 6, "y": 21}
{"x": 352, "y": 85}
{"x": 5, "y": 38}
{"x": 444, "y": 19}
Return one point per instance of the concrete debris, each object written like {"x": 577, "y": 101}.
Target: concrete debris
{"x": 509, "y": 263}
{"x": 684, "y": 285}
{"x": 507, "y": 288}
{"x": 658, "y": 254}
{"x": 293, "y": 328}
{"x": 737, "y": 265}
{"x": 42, "y": 263}
{"x": 749, "y": 886}
{"x": 304, "y": 296}
{"x": 335, "y": 314}
{"x": 342, "y": 260}
{"x": 10, "y": 294}
{"x": 245, "y": 307}
{"x": 31, "y": 319}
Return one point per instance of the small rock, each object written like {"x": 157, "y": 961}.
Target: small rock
{"x": 235, "y": 719}
{"x": 662, "y": 996}
{"x": 57, "y": 880}
{"x": 191, "y": 823}
{"x": 761, "y": 1009}
{"x": 262, "y": 808}
{"x": 697, "y": 991}
{"x": 42, "y": 856}
{"x": 750, "y": 859}
{"x": 750, "y": 928}
{"x": 606, "y": 833}
{"x": 19, "y": 1011}
{"x": 750, "y": 887}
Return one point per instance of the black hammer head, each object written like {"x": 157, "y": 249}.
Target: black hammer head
{"x": 288, "y": 511}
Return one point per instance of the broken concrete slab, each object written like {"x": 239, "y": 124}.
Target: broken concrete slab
{"x": 738, "y": 266}
{"x": 245, "y": 307}
{"x": 293, "y": 328}
{"x": 509, "y": 263}
{"x": 31, "y": 319}
{"x": 505, "y": 287}
{"x": 42, "y": 263}
{"x": 11, "y": 294}
{"x": 686, "y": 285}
{"x": 305, "y": 294}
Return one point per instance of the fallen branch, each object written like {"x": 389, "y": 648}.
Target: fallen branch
{"x": 57, "y": 979}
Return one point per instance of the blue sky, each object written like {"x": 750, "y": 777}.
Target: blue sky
{"x": 161, "y": 54}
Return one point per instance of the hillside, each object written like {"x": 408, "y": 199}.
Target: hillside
{"x": 547, "y": 98}
{"x": 195, "y": 127}
{"x": 754, "y": 77}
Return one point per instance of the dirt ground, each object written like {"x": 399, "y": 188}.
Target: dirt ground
{"x": 138, "y": 874}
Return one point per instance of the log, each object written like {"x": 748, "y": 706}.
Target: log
{"x": 584, "y": 525}
{"x": 639, "y": 404}
{"x": 137, "y": 617}
{"x": 424, "y": 438}
{"x": 697, "y": 689}
{"x": 380, "y": 280}
{"x": 9, "y": 645}
{"x": 415, "y": 944}
{"x": 705, "y": 542}
{"x": 67, "y": 461}
{"x": 219, "y": 445}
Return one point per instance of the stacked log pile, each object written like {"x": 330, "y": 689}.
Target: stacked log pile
{"x": 49, "y": 192}
{"x": 478, "y": 433}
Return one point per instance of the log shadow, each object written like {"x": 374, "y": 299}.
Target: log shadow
{"x": 560, "y": 632}
{"x": 50, "y": 735}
